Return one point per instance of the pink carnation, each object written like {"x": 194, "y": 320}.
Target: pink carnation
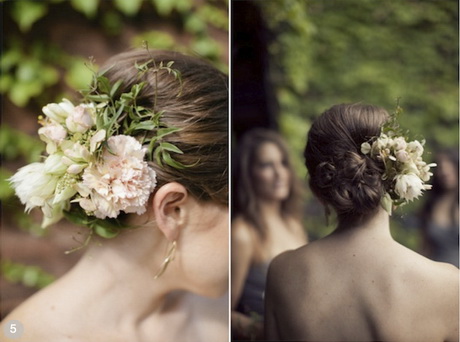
{"x": 120, "y": 181}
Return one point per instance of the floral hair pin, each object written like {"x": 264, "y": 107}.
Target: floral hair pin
{"x": 406, "y": 173}
{"x": 98, "y": 153}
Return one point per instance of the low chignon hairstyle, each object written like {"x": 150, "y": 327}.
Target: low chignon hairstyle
{"x": 339, "y": 174}
{"x": 198, "y": 108}
{"x": 246, "y": 198}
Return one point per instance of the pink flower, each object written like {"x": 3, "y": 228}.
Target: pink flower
{"x": 53, "y": 134}
{"x": 81, "y": 118}
{"x": 120, "y": 181}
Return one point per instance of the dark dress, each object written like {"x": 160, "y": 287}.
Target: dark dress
{"x": 252, "y": 297}
{"x": 444, "y": 243}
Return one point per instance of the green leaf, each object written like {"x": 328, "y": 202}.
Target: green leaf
{"x": 171, "y": 162}
{"x": 129, "y": 7}
{"x": 87, "y": 7}
{"x": 115, "y": 87}
{"x": 98, "y": 98}
{"x": 143, "y": 125}
{"x": 26, "y": 13}
{"x": 105, "y": 231}
{"x": 162, "y": 132}
{"x": 170, "y": 147}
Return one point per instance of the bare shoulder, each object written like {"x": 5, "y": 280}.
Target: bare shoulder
{"x": 292, "y": 263}
{"x": 33, "y": 320}
{"x": 242, "y": 232}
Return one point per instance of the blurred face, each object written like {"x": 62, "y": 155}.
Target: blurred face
{"x": 447, "y": 172}
{"x": 270, "y": 173}
{"x": 204, "y": 249}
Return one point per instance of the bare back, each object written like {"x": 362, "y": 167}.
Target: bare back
{"x": 353, "y": 289}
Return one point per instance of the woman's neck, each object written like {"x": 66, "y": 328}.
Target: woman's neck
{"x": 120, "y": 285}
{"x": 375, "y": 226}
{"x": 270, "y": 208}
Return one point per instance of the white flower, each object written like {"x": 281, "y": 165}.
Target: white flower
{"x": 365, "y": 148}
{"x": 402, "y": 156}
{"x": 383, "y": 141}
{"x": 52, "y": 134}
{"x": 54, "y": 165}
{"x": 81, "y": 118}
{"x": 425, "y": 173}
{"x": 399, "y": 143}
{"x": 121, "y": 181}
{"x": 408, "y": 186}
{"x": 415, "y": 147}
{"x": 53, "y": 212}
{"x": 58, "y": 112}
{"x": 33, "y": 185}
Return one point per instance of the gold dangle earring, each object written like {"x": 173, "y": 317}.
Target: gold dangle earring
{"x": 169, "y": 257}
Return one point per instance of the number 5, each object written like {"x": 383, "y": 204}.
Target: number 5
{"x": 13, "y": 328}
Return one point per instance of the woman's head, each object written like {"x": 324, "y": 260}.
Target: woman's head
{"x": 340, "y": 175}
{"x": 445, "y": 177}
{"x": 188, "y": 205}
{"x": 264, "y": 173}
{"x": 198, "y": 108}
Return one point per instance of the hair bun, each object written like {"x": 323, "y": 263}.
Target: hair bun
{"x": 359, "y": 184}
{"x": 326, "y": 174}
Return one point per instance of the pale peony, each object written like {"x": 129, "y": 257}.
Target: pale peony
{"x": 81, "y": 118}
{"x": 409, "y": 186}
{"x": 383, "y": 141}
{"x": 33, "y": 185}
{"x": 58, "y": 112}
{"x": 120, "y": 181}
{"x": 52, "y": 134}
{"x": 402, "y": 156}
{"x": 399, "y": 143}
{"x": 415, "y": 147}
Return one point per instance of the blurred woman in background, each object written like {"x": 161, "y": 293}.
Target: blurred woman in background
{"x": 266, "y": 223}
{"x": 440, "y": 213}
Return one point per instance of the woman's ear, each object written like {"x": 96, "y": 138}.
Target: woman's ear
{"x": 169, "y": 209}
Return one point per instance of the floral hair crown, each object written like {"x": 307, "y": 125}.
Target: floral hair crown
{"x": 98, "y": 153}
{"x": 406, "y": 173}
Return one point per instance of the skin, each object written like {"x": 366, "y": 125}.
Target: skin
{"x": 111, "y": 294}
{"x": 272, "y": 181}
{"x": 358, "y": 284}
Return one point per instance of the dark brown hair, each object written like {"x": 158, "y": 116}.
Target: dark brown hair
{"x": 198, "y": 108}
{"x": 246, "y": 199}
{"x": 340, "y": 175}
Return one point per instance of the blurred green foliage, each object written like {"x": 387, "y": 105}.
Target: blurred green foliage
{"x": 29, "y": 67}
{"x": 335, "y": 51}
{"x": 30, "y": 276}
